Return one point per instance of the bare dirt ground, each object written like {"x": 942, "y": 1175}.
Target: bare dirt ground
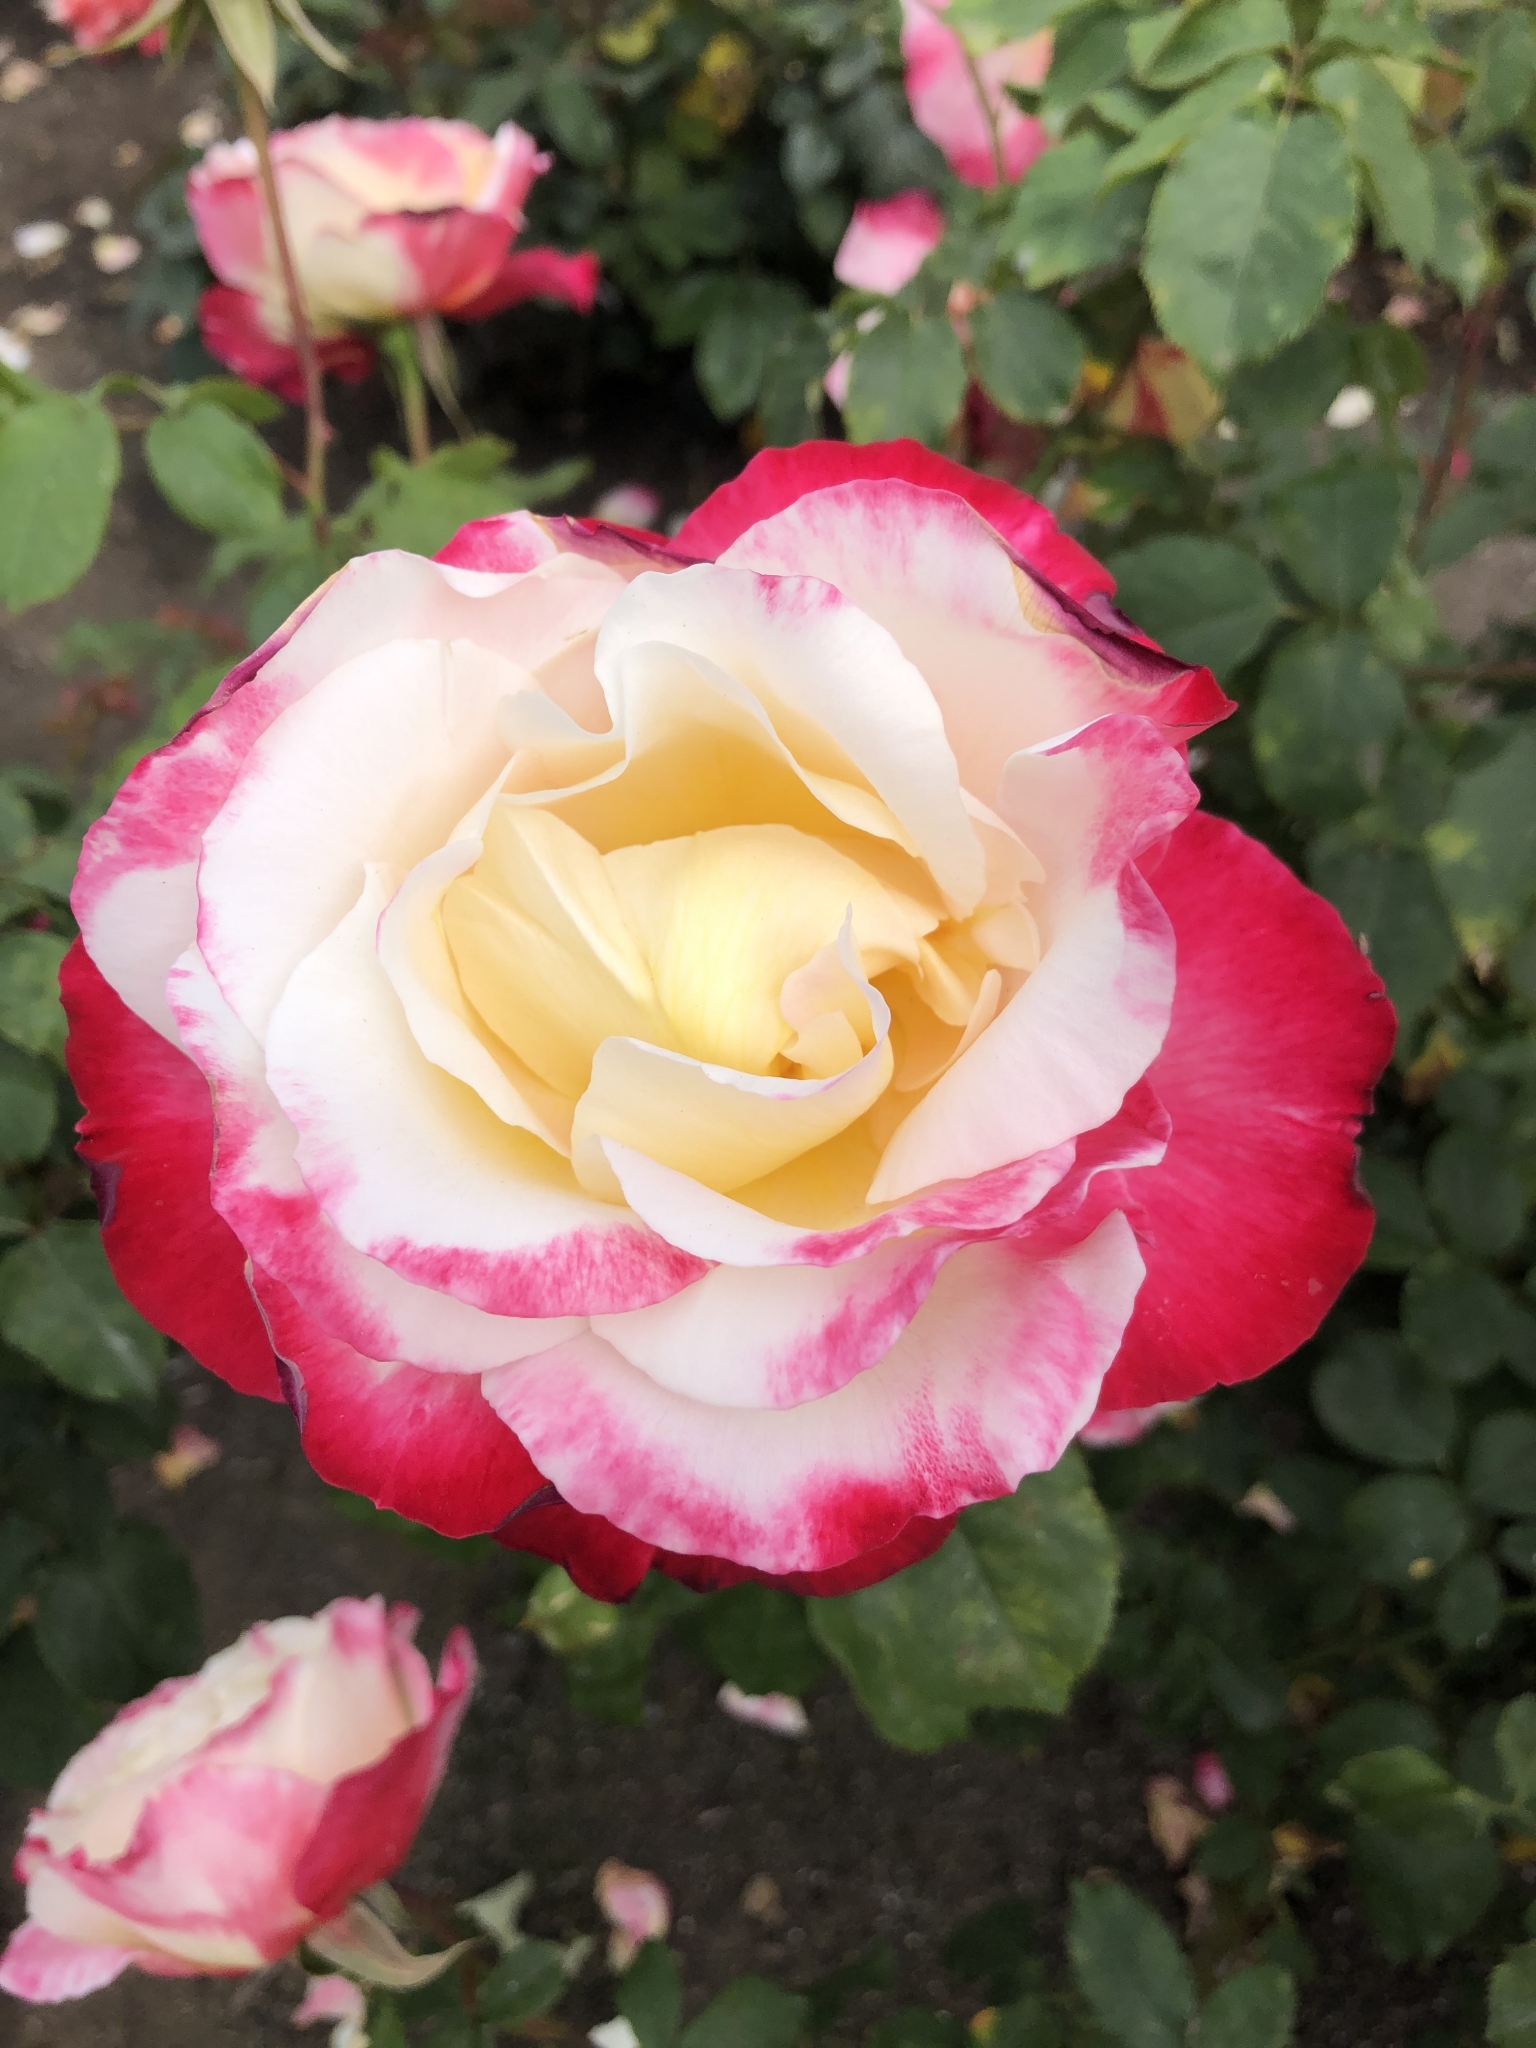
{"x": 863, "y": 1843}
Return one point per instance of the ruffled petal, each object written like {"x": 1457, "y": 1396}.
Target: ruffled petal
{"x": 536, "y": 273}
{"x": 1280, "y": 1030}
{"x": 997, "y": 1371}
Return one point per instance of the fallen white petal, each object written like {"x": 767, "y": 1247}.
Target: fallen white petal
{"x": 775, "y": 1711}
{"x": 615, "y": 2033}
{"x": 36, "y": 240}
{"x": 1352, "y": 408}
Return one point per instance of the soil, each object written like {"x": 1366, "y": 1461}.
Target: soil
{"x": 864, "y": 1844}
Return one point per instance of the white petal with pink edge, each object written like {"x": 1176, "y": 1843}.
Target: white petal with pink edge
{"x": 995, "y": 1374}
{"x": 1089, "y": 1020}
{"x": 415, "y": 1171}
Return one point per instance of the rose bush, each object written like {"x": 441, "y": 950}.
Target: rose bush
{"x": 225, "y": 1817}
{"x": 387, "y": 220}
{"x": 719, "y": 1053}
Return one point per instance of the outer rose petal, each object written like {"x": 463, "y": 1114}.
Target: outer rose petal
{"x": 147, "y": 1134}
{"x": 45, "y": 1969}
{"x": 370, "y": 1818}
{"x": 1254, "y": 1220}
{"x": 232, "y": 331}
{"x": 537, "y": 273}
{"x": 776, "y": 477}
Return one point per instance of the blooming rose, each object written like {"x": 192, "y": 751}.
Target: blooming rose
{"x": 386, "y": 220}
{"x": 721, "y": 1052}
{"x": 958, "y": 99}
{"x": 94, "y": 24}
{"x": 216, "y": 1823}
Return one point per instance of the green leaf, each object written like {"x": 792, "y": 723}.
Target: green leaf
{"x": 28, "y": 1107}
{"x": 920, "y": 2029}
{"x": 737, "y": 341}
{"x": 216, "y": 471}
{"x": 1456, "y": 1317}
{"x": 1501, "y": 1463}
{"x": 565, "y": 1619}
{"x": 1515, "y": 1743}
{"x": 31, "y": 1014}
{"x": 1403, "y": 1230}
{"x": 1463, "y": 253}
{"x": 1372, "y": 1725}
{"x": 41, "y": 1725}
{"x": 1387, "y": 896}
{"x": 907, "y": 377}
{"x": 59, "y": 465}
{"x": 60, "y": 1305}
{"x": 1176, "y": 46}
{"x": 1398, "y": 182}
{"x": 1208, "y": 602}
{"x": 1512, "y": 2000}
{"x": 1129, "y": 1967}
{"x": 1339, "y": 528}
{"x": 1062, "y": 225}
{"x": 1374, "y": 1397}
{"x": 1405, "y": 1528}
{"x": 581, "y": 129}
{"x": 1254, "y": 2009}
{"x": 1475, "y": 1190}
{"x": 1327, "y": 711}
{"x": 1192, "y": 114}
{"x": 751, "y": 2013}
{"x": 1297, "y": 386}
{"x": 1245, "y": 231}
{"x": 20, "y": 1548}
{"x": 1517, "y": 1548}
{"x": 1392, "y": 27}
{"x": 758, "y": 1636}
{"x": 650, "y": 1996}
{"x": 1469, "y": 1603}
{"x": 1029, "y": 355}
{"x": 1402, "y": 1789}
{"x": 1484, "y": 849}
{"x": 1424, "y": 1864}
{"x": 156, "y": 1597}
{"x": 1008, "y": 1614}
{"x": 248, "y": 32}
{"x": 81, "y": 1635}
{"x": 529, "y": 1979}
{"x": 1506, "y": 76}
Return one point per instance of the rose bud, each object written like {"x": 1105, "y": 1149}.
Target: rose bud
{"x": 224, "y": 1818}
{"x": 637, "y": 1907}
{"x": 947, "y": 85}
{"x": 715, "y": 1054}
{"x": 386, "y": 220}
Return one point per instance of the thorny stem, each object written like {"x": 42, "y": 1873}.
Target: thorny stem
{"x": 1474, "y": 339}
{"x": 316, "y": 432}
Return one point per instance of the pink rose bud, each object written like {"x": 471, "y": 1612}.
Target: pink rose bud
{"x": 628, "y": 505}
{"x": 637, "y": 1907}
{"x": 958, "y": 97}
{"x": 778, "y": 1712}
{"x": 1208, "y": 1774}
{"x": 887, "y": 241}
{"x": 216, "y": 1823}
{"x": 388, "y": 220}
{"x": 94, "y": 24}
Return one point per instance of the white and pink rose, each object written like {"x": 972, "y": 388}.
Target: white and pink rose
{"x": 215, "y": 1824}
{"x": 715, "y": 1054}
{"x": 959, "y": 97}
{"x": 386, "y": 220}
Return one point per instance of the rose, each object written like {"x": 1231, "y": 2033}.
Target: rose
{"x": 224, "y": 1818}
{"x": 98, "y": 24}
{"x": 883, "y": 248}
{"x": 721, "y": 1052}
{"x": 387, "y": 220}
{"x": 958, "y": 98}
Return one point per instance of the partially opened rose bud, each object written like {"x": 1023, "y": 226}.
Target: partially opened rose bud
{"x": 1208, "y": 1774}
{"x": 637, "y": 1907}
{"x": 386, "y": 220}
{"x": 216, "y": 1823}
{"x": 99, "y": 24}
{"x": 959, "y": 97}
{"x": 887, "y": 242}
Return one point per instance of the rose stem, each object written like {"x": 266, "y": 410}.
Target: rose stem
{"x": 316, "y": 432}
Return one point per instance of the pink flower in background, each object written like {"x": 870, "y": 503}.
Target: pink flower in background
{"x": 93, "y": 24}
{"x": 225, "y": 1817}
{"x": 1208, "y": 1775}
{"x": 387, "y": 220}
{"x": 887, "y": 242}
{"x": 337, "y": 2000}
{"x": 637, "y": 1907}
{"x": 958, "y": 99}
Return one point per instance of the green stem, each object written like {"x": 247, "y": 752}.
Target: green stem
{"x": 399, "y": 346}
